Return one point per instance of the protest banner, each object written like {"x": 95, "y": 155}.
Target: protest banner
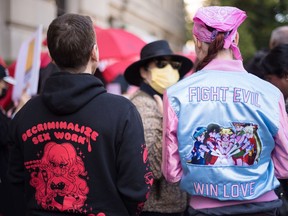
{"x": 28, "y": 66}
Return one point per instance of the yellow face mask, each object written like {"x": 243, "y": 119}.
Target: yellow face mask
{"x": 162, "y": 78}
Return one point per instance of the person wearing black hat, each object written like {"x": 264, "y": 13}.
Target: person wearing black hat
{"x": 157, "y": 69}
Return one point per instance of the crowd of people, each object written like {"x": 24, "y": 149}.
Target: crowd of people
{"x": 200, "y": 138}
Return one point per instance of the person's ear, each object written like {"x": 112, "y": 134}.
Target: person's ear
{"x": 198, "y": 43}
{"x": 95, "y": 53}
{"x": 236, "y": 40}
{"x": 143, "y": 73}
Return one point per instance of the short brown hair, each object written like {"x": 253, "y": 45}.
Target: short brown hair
{"x": 70, "y": 39}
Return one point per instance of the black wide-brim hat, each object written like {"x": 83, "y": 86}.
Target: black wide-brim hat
{"x": 153, "y": 50}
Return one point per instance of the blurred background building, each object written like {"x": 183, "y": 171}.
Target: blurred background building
{"x": 149, "y": 19}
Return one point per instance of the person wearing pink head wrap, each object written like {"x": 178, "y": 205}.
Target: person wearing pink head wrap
{"x": 232, "y": 167}
{"x": 211, "y": 22}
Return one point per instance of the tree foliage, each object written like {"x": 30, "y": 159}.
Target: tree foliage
{"x": 263, "y": 17}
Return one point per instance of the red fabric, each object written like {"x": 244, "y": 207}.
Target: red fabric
{"x": 118, "y": 43}
{"x": 45, "y": 59}
{"x": 44, "y": 42}
{"x": 115, "y": 69}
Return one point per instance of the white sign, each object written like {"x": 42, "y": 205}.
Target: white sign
{"x": 28, "y": 66}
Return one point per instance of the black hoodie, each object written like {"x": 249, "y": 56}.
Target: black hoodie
{"x": 79, "y": 150}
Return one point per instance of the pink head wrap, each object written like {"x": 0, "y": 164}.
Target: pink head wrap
{"x": 221, "y": 19}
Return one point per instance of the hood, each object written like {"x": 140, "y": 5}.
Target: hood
{"x": 65, "y": 93}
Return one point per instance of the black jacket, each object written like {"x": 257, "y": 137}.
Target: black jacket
{"x": 4, "y": 190}
{"x": 79, "y": 150}
{"x": 4, "y": 125}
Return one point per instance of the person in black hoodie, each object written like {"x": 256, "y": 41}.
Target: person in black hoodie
{"x": 76, "y": 149}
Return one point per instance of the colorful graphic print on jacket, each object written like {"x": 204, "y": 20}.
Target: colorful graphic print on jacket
{"x": 57, "y": 178}
{"x": 215, "y": 145}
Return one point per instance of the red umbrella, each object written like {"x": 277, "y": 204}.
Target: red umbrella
{"x": 115, "y": 43}
{"x": 117, "y": 68}
{"x": 118, "y": 43}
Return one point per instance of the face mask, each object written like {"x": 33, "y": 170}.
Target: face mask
{"x": 3, "y": 93}
{"x": 163, "y": 78}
